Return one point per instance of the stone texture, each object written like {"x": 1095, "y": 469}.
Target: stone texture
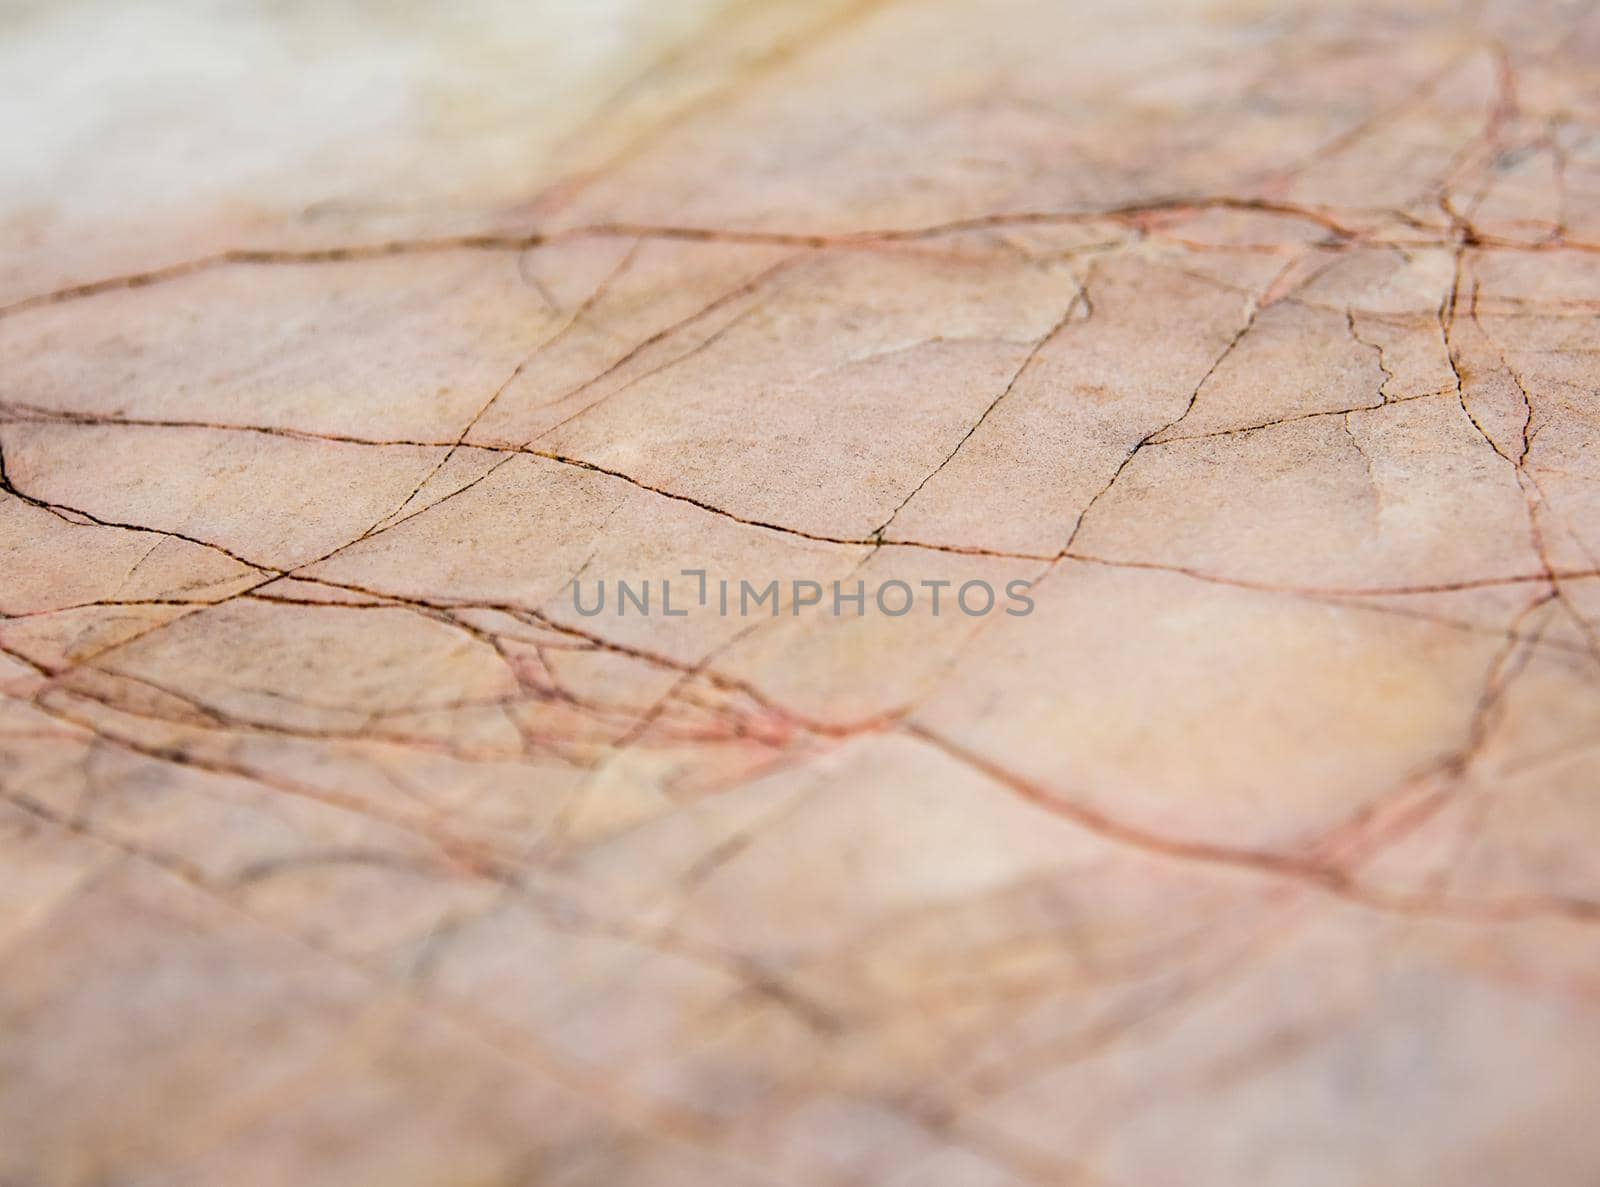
{"x": 339, "y": 342}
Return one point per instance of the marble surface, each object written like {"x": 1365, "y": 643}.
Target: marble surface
{"x": 1246, "y": 352}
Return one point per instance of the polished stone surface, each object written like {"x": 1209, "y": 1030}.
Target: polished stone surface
{"x": 340, "y": 342}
